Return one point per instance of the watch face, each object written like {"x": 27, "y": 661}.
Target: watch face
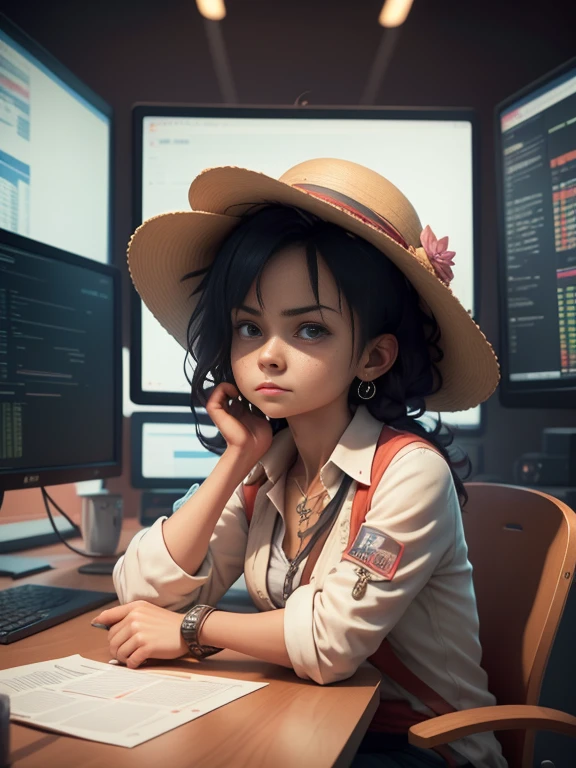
{"x": 188, "y": 628}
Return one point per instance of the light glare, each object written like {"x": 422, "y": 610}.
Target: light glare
{"x": 215, "y": 10}
{"x": 394, "y": 12}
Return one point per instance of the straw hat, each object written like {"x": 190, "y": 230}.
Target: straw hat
{"x": 166, "y": 247}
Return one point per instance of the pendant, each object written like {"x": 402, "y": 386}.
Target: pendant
{"x": 304, "y": 512}
{"x": 359, "y": 589}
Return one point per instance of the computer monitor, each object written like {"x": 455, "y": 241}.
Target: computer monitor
{"x": 55, "y": 151}
{"x": 535, "y": 132}
{"x": 60, "y": 367}
{"x": 431, "y": 154}
{"x": 166, "y": 452}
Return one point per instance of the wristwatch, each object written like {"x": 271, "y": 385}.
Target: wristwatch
{"x": 190, "y": 629}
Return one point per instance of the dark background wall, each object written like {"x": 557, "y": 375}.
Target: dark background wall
{"x": 449, "y": 53}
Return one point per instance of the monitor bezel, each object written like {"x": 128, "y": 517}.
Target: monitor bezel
{"x": 60, "y": 70}
{"x": 140, "y": 111}
{"x": 35, "y": 477}
{"x": 137, "y": 421}
{"x": 520, "y": 394}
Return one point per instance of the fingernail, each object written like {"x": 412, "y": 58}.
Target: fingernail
{"x": 98, "y": 625}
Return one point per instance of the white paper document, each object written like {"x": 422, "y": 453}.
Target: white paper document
{"x": 111, "y": 704}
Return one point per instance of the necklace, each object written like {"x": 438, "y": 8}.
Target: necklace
{"x": 314, "y": 532}
{"x": 304, "y": 511}
{"x": 304, "y": 514}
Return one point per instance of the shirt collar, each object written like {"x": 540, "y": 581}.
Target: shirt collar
{"x": 355, "y": 450}
{"x": 353, "y": 454}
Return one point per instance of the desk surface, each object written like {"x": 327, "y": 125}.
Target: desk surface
{"x": 290, "y": 723}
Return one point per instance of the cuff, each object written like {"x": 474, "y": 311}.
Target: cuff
{"x": 299, "y": 633}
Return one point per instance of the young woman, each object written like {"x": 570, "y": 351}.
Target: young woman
{"x": 322, "y": 315}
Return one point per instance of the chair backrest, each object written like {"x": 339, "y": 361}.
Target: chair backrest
{"x": 522, "y": 546}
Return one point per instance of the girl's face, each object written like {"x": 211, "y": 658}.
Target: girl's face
{"x": 289, "y": 343}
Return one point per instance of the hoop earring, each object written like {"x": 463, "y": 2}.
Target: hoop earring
{"x": 366, "y": 390}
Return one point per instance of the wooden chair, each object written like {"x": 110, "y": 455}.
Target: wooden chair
{"x": 522, "y": 545}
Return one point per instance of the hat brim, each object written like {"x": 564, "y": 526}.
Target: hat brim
{"x": 162, "y": 251}
{"x": 167, "y": 247}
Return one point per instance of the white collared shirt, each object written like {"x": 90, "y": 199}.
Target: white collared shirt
{"x": 427, "y": 610}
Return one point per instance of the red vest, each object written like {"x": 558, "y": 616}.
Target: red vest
{"x": 391, "y": 716}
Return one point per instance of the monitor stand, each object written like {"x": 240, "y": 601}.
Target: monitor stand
{"x": 101, "y": 567}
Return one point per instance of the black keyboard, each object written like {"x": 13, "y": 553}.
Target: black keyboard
{"x": 31, "y": 608}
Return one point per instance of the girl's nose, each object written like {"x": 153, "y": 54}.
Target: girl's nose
{"x": 272, "y": 353}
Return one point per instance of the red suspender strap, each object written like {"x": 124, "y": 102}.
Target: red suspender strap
{"x": 389, "y": 443}
{"x": 250, "y": 492}
{"x": 386, "y": 661}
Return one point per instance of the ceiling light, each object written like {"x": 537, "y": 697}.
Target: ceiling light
{"x": 394, "y": 12}
{"x": 215, "y": 10}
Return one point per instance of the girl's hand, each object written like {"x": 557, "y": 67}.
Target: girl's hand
{"x": 141, "y": 630}
{"x": 245, "y": 432}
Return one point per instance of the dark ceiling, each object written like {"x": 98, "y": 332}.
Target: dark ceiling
{"x": 151, "y": 51}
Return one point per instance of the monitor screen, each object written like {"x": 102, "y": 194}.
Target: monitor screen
{"x": 413, "y": 148}
{"x": 60, "y": 367}
{"x": 166, "y": 452}
{"x": 55, "y": 151}
{"x": 536, "y": 154}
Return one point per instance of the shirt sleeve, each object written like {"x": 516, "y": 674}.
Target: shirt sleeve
{"x": 147, "y": 571}
{"x": 328, "y": 633}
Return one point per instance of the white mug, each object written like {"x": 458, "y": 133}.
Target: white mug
{"x": 101, "y": 523}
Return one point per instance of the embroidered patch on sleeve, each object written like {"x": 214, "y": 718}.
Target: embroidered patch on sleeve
{"x": 375, "y": 550}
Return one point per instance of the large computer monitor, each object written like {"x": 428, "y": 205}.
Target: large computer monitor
{"x": 536, "y": 176}
{"x": 55, "y": 151}
{"x": 60, "y": 366}
{"x": 431, "y": 154}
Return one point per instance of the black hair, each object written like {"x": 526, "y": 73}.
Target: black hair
{"x": 374, "y": 288}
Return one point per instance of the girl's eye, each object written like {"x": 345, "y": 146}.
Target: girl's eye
{"x": 317, "y": 331}
{"x": 248, "y": 330}
{"x": 249, "y": 327}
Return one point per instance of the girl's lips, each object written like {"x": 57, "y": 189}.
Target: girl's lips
{"x": 271, "y": 390}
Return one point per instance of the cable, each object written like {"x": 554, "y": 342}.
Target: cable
{"x": 51, "y": 500}
{"x": 45, "y": 499}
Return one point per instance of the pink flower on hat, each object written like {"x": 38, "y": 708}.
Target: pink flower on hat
{"x": 441, "y": 259}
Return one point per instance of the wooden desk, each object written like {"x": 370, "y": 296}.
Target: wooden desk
{"x": 290, "y": 723}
